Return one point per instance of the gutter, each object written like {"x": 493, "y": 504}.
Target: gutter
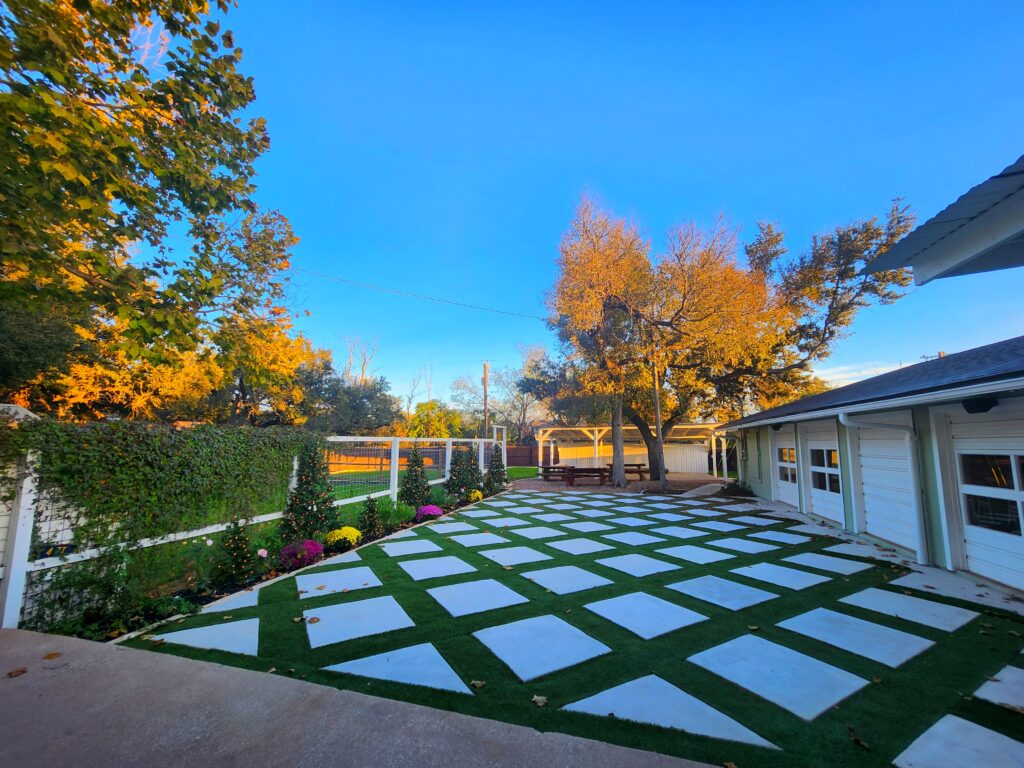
{"x": 928, "y": 398}
{"x": 910, "y": 438}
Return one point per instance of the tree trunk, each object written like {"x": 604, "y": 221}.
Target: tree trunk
{"x": 618, "y": 450}
{"x": 650, "y": 442}
{"x": 659, "y": 433}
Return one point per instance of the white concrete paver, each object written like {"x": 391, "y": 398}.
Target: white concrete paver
{"x": 916, "y": 609}
{"x": 566, "y": 579}
{"x": 346, "y": 621}
{"x": 234, "y": 637}
{"x": 654, "y": 701}
{"x": 722, "y": 592}
{"x": 872, "y": 641}
{"x": 540, "y": 645}
{"x": 645, "y": 615}
{"x": 415, "y": 665}
{"x": 954, "y": 741}
{"x": 475, "y": 597}
{"x": 798, "y": 683}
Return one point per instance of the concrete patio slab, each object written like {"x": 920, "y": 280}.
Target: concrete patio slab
{"x": 234, "y": 637}
{"x": 514, "y": 555}
{"x": 872, "y": 641}
{"x": 435, "y": 567}
{"x": 347, "y": 621}
{"x": 743, "y": 545}
{"x": 722, "y": 592}
{"x": 579, "y": 546}
{"x": 566, "y": 579}
{"x": 403, "y": 548}
{"x": 535, "y": 647}
{"x": 954, "y": 741}
{"x": 654, "y": 701}
{"x": 828, "y": 563}
{"x": 475, "y": 597}
{"x": 328, "y": 582}
{"x": 678, "y": 532}
{"x": 781, "y": 576}
{"x": 637, "y": 565}
{"x": 630, "y": 522}
{"x": 694, "y": 554}
{"x": 1006, "y": 690}
{"x": 645, "y": 615}
{"x": 939, "y": 615}
{"x": 781, "y": 537}
{"x": 797, "y": 683}
{"x": 479, "y": 539}
{"x": 536, "y": 532}
{"x": 633, "y": 538}
{"x": 415, "y": 665}
{"x": 587, "y": 526}
{"x": 456, "y": 527}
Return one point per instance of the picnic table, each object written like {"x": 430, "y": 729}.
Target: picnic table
{"x": 640, "y": 470}
{"x": 570, "y": 473}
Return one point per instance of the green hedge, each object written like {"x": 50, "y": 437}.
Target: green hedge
{"x": 127, "y": 481}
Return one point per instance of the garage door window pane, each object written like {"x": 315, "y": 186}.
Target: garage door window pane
{"x": 817, "y": 457}
{"x": 995, "y": 514}
{"x": 833, "y": 483}
{"x": 833, "y": 459}
{"x": 989, "y": 470}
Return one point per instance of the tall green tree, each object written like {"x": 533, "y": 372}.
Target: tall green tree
{"x": 120, "y": 120}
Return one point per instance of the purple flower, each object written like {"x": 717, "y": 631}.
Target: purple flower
{"x": 428, "y": 512}
{"x": 300, "y": 553}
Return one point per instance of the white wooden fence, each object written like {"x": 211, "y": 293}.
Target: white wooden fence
{"x": 28, "y": 518}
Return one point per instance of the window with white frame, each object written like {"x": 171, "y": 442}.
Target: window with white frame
{"x": 825, "y": 470}
{"x": 786, "y": 460}
{"x": 992, "y": 490}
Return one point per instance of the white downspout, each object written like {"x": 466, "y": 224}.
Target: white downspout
{"x": 910, "y": 436}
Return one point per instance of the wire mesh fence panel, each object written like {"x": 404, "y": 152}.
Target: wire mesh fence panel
{"x": 359, "y": 468}
{"x": 433, "y": 453}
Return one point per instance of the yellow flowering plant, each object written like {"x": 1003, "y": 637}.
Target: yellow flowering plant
{"x": 342, "y": 538}
{"x": 475, "y": 496}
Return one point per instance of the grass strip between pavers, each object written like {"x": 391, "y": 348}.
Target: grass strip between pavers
{"x": 894, "y": 709}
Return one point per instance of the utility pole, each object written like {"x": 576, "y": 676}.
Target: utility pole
{"x": 486, "y": 419}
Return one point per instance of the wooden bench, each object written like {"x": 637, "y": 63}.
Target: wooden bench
{"x": 640, "y": 470}
{"x": 553, "y": 472}
{"x": 600, "y": 473}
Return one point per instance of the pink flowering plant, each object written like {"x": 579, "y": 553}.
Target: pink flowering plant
{"x": 300, "y": 553}
{"x": 428, "y": 512}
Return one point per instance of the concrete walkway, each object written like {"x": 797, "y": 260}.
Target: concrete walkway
{"x": 103, "y": 705}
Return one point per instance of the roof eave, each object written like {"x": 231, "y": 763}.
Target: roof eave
{"x": 955, "y": 393}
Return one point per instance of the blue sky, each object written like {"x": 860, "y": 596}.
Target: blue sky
{"x": 441, "y": 148}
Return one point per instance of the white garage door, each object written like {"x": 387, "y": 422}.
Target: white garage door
{"x": 786, "y": 488}
{"x": 885, "y": 480}
{"x": 989, "y": 454}
{"x": 823, "y": 467}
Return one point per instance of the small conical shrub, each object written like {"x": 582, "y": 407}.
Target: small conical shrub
{"x": 414, "y": 488}
{"x": 496, "y": 477}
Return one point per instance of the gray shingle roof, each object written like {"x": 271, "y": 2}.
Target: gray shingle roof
{"x": 1002, "y": 360}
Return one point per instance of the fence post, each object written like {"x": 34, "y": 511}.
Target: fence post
{"x": 480, "y": 455}
{"x": 19, "y": 541}
{"x": 447, "y": 458}
{"x": 394, "y": 470}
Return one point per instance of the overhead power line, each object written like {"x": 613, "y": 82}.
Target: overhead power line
{"x": 422, "y": 297}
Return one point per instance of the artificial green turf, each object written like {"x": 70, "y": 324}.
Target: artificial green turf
{"x": 897, "y": 707}
{"x": 521, "y": 473}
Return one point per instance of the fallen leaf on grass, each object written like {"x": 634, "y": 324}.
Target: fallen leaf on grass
{"x": 478, "y": 683}
{"x": 730, "y": 765}
{"x": 540, "y": 701}
{"x": 272, "y": 669}
{"x": 753, "y": 627}
{"x": 52, "y": 655}
{"x": 297, "y": 619}
{"x": 17, "y": 672}
{"x": 857, "y": 739}
{"x": 312, "y": 620}
{"x": 159, "y": 641}
{"x": 876, "y": 680}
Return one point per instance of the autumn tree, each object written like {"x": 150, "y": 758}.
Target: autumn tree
{"x": 603, "y": 270}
